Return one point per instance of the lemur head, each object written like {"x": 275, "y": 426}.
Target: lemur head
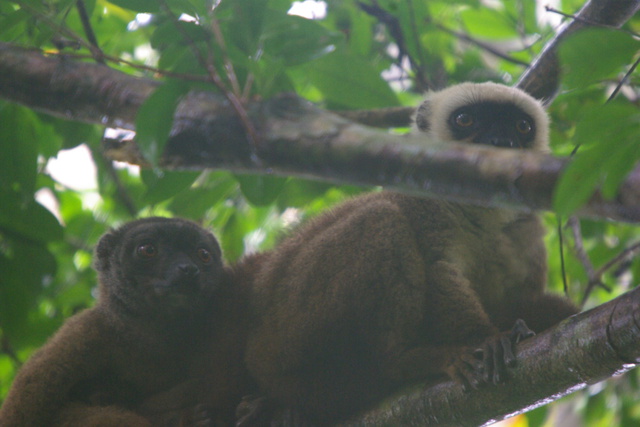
{"x": 159, "y": 265}
{"x": 485, "y": 113}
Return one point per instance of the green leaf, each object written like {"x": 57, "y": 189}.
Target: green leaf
{"x": 180, "y": 60}
{"x": 297, "y": 40}
{"x": 242, "y": 22}
{"x": 538, "y": 416}
{"x": 261, "y": 190}
{"x": 596, "y": 409}
{"x": 70, "y": 205}
{"x": 27, "y": 218}
{"x": 84, "y": 227}
{"x": 410, "y": 14}
{"x": 609, "y": 150}
{"x": 281, "y": 5}
{"x": 524, "y": 16}
{"x": 232, "y": 247}
{"x": 162, "y": 185}
{"x": 155, "y": 119}
{"x": 168, "y": 34}
{"x": 196, "y": 202}
{"x": 488, "y": 22}
{"x": 11, "y": 19}
{"x": 360, "y": 34}
{"x": 595, "y": 54}
{"x": 19, "y": 143}
{"x": 351, "y": 81}
{"x": 23, "y": 273}
{"x": 300, "y": 192}
{"x": 72, "y": 133}
{"x": 270, "y": 76}
{"x": 190, "y": 7}
{"x": 621, "y": 161}
{"x": 148, "y": 6}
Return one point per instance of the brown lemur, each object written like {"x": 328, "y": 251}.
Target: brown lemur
{"x": 387, "y": 289}
{"x": 168, "y": 310}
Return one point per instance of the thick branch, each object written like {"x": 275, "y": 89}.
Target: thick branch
{"x": 583, "y": 350}
{"x": 297, "y": 139}
{"x": 392, "y": 117}
{"x": 72, "y": 90}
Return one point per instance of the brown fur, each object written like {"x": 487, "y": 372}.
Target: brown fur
{"x": 217, "y": 377}
{"x": 388, "y": 288}
{"x": 140, "y": 338}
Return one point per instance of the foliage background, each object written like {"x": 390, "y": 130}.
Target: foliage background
{"x": 344, "y": 59}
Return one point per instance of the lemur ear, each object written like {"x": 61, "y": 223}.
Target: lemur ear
{"x": 104, "y": 249}
{"x": 422, "y": 114}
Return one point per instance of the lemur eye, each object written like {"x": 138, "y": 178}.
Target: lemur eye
{"x": 523, "y": 126}
{"x": 205, "y": 256}
{"x": 464, "y": 120}
{"x": 147, "y": 250}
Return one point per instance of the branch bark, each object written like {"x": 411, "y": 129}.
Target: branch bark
{"x": 297, "y": 139}
{"x": 582, "y": 350}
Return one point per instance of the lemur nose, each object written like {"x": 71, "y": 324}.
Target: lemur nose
{"x": 189, "y": 269}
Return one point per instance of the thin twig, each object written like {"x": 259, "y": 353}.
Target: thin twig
{"x": 121, "y": 192}
{"x": 561, "y": 249}
{"x": 228, "y": 66}
{"x": 581, "y": 254}
{"x": 58, "y": 28}
{"x": 594, "y": 277}
{"x": 141, "y": 67}
{"x": 248, "y": 85}
{"x": 623, "y": 256}
{"x": 392, "y": 24}
{"x": 83, "y": 43}
{"x": 519, "y": 21}
{"x": 98, "y": 54}
{"x": 421, "y": 56}
{"x": 624, "y": 80}
{"x": 235, "y": 102}
{"x": 482, "y": 45}
{"x": 578, "y": 245}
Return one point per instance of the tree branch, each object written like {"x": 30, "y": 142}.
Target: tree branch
{"x": 585, "y": 349}
{"x": 298, "y": 139}
{"x": 482, "y": 45}
{"x": 391, "y": 117}
{"x": 76, "y": 91}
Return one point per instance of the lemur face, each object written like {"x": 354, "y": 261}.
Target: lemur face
{"x": 485, "y": 113}
{"x": 493, "y": 123}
